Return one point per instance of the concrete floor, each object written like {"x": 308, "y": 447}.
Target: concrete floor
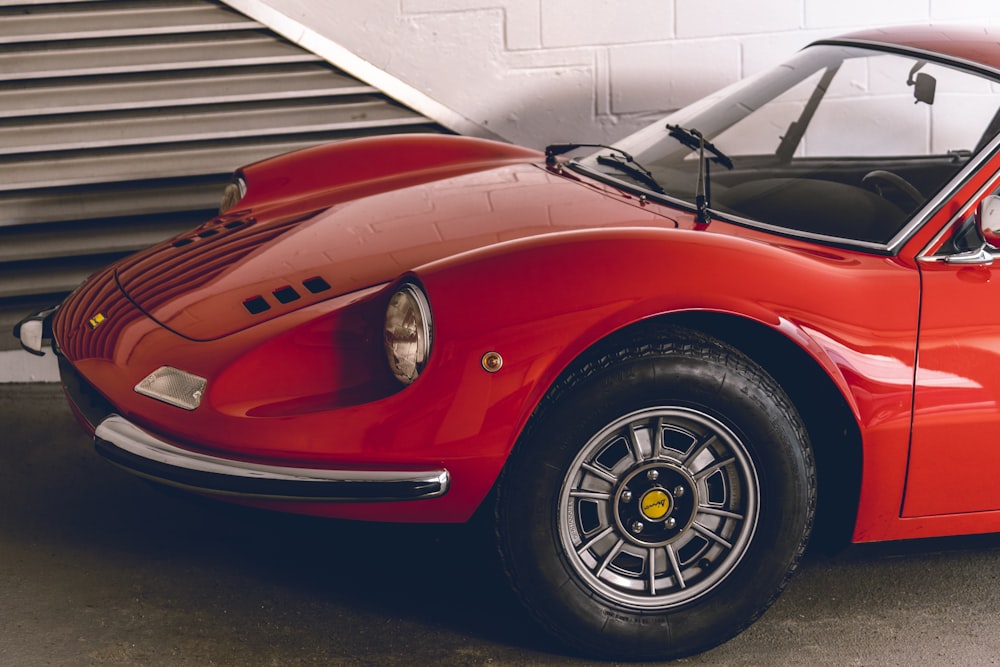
{"x": 99, "y": 568}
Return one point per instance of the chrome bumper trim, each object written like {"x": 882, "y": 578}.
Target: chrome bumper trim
{"x": 129, "y": 447}
{"x": 34, "y": 330}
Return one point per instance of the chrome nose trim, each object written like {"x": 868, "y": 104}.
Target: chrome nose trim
{"x": 34, "y": 330}
{"x": 143, "y": 454}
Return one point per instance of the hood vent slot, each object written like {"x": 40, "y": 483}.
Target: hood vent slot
{"x": 256, "y": 305}
{"x": 286, "y": 294}
{"x": 316, "y": 285}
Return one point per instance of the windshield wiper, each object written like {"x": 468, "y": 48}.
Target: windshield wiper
{"x": 629, "y": 166}
{"x": 695, "y": 140}
{"x": 626, "y": 163}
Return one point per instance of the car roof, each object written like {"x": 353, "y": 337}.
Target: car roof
{"x": 974, "y": 44}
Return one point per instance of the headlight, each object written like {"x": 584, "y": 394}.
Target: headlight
{"x": 232, "y": 195}
{"x": 407, "y": 332}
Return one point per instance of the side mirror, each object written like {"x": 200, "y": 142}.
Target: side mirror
{"x": 987, "y": 228}
{"x": 988, "y": 221}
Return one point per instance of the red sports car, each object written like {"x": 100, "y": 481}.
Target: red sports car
{"x": 656, "y": 363}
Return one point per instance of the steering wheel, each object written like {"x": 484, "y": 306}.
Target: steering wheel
{"x": 877, "y": 178}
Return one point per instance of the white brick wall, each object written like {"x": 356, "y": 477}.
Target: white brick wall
{"x": 541, "y": 71}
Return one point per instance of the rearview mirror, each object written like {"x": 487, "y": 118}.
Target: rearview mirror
{"x": 924, "y": 87}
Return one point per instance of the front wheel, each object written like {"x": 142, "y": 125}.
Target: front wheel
{"x": 659, "y": 501}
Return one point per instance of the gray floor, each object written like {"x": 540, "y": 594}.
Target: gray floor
{"x": 98, "y": 568}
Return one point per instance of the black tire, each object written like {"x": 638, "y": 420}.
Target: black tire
{"x": 671, "y": 540}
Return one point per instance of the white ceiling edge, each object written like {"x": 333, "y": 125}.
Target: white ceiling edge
{"x": 340, "y": 57}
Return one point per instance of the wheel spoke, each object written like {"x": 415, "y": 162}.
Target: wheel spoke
{"x": 590, "y": 495}
{"x": 597, "y": 538}
{"x": 658, "y": 438}
{"x": 698, "y": 448}
{"x": 705, "y": 472}
{"x": 675, "y": 566}
{"x": 651, "y": 570}
{"x": 705, "y": 532}
{"x": 715, "y": 511}
{"x": 634, "y": 445}
{"x": 606, "y": 475}
{"x": 610, "y": 557}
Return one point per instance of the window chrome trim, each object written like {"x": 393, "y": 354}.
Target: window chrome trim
{"x": 924, "y": 54}
{"x": 943, "y": 195}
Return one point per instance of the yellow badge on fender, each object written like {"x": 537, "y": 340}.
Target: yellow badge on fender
{"x": 97, "y": 320}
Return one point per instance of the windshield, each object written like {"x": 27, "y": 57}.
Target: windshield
{"x": 841, "y": 142}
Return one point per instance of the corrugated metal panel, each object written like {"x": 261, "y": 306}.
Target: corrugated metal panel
{"x": 120, "y": 121}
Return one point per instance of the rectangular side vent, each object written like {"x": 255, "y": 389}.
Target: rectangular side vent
{"x": 285, "y": 294}
{"x": 256, "y": 305}
{"x": 316, "y": 285}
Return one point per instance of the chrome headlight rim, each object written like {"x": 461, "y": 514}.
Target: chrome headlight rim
{"x": 408, "y": 332}
{"x": 233, "y": 194}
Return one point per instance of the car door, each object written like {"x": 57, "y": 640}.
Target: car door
{"x": 955, "y": 443}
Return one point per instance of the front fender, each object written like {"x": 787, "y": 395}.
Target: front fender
{"x": 543, "y": 302}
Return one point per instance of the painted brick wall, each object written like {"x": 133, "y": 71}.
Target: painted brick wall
{"x": 541, "y": 71}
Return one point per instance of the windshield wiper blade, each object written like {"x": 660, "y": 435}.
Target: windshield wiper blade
{"x": 694, "y": 139}
{"x": 626, "y": 163}
{"x": 552, "y": 150}
{"x": 633, "y": 169}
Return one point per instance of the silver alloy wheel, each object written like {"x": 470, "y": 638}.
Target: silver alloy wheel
{"x": 658, "y": 507}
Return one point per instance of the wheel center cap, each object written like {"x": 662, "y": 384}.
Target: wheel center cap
{"x": 655, "y": 505}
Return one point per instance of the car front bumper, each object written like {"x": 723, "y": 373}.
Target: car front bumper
{"x": 143, "y": 454}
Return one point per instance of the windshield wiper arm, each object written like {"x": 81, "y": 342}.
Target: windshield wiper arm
{"x": 626, "y": 163}
{"x": 694, "y": 139}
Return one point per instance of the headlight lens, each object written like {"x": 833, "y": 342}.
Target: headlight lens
{"x": 407, "y": 332}
{"x": 232, "y": 195}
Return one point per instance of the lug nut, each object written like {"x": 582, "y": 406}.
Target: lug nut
{"x": 626, "y": 496}
{"x": 653, "y": 475}
{"x": 670, "y": 523}
{"x": 678, "y": 491}
{"x": 637, "y": 527}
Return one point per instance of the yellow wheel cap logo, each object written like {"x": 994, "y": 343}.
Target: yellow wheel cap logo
{"x": 97, "y": 320}
{"x": 655, "y": 504}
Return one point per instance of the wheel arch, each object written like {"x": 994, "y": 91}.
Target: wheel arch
{"x": 833, "y": 430}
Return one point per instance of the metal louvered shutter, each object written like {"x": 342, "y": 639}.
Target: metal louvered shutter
{"x": 120, "y": 122}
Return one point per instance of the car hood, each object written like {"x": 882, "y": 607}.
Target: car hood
{"x": 239, "y": 270}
